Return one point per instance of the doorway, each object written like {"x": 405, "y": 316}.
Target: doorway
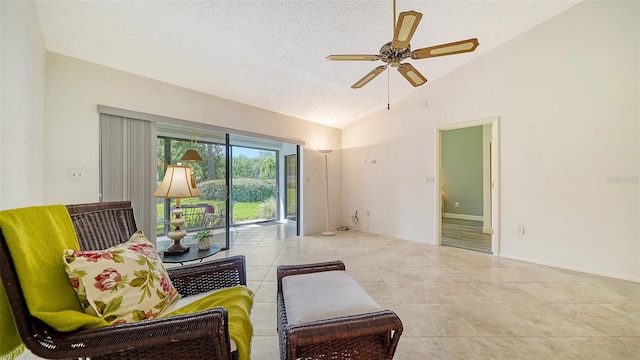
{"x": 467, "y": 186}
{"x": 254, "y": 190}
{"x": 260, "y": 180}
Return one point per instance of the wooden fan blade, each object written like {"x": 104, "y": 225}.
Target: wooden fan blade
{"x": 375, "y": 72}
{"x": 446, "y": 49}
{"x": 406, "y": 26}
{"x": 353, "y": 57}
{"x": 411, "y": 74}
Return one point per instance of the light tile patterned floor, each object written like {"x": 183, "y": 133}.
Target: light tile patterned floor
{"x": 454, "y": 303}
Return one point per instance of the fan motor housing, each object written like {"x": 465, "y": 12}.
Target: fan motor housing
{"x": 393, "y": 56}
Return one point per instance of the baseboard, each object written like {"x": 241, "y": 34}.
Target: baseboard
{"x": 571, "y": 268}
{"x": 463, "y": 217}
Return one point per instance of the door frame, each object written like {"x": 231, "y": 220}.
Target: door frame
{"x": 495, "y": 177}
{"x": 286, "y": 185}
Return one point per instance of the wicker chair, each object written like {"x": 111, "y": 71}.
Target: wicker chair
{"x": 371, "y": 336}
{"x": 200, "y": 335}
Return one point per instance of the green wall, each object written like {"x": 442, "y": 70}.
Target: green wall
{"x": 461, "y": 178}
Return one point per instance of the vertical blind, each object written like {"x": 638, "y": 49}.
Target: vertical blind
{"x": 128, "y": 159}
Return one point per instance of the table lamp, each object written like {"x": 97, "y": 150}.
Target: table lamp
{"x": 178, "y": 183}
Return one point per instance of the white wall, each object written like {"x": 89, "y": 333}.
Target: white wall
{"x": 566, "y": 92}
{"x": 57, "y": 95}
{"x": 567, "y": 96}
{"x": 75, "y": 88}
{"x": 22, "y": 58}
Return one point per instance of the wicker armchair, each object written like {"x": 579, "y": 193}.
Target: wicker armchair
{"x": 200, "y": 335}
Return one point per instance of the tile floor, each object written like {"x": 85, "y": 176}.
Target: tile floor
{"x": 454, "y": 303}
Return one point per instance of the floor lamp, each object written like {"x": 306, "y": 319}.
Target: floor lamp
{"x": 326, "y": 182}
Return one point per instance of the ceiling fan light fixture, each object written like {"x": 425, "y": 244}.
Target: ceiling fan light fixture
{"x": 399, "y": 49}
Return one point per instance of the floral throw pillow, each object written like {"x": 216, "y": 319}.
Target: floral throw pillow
{"x": 122, "y": 284}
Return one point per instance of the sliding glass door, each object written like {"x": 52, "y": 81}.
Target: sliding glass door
{"x": 238, "y": 177}
{"x": 254, "y": 186}
{"x": 209, "y": 211}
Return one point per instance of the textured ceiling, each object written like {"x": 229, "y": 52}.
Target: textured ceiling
{"x": 271, "y": 54}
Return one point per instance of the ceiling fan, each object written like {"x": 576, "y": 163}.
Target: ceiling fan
{"x": 392, "y": 53}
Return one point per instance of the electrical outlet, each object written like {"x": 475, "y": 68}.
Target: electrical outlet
{"x": 77, "y": 174}
{"x": 368, "y": 213}
{"x": 519, "y": 229}
{"x": 429, "y": 179}
{"x": 457, "y": 204}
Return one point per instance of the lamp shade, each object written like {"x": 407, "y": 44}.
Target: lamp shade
{"x": 191, "y": 156}
{"x": 179, "y": 182}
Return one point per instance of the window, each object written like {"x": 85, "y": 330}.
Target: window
{"x": 239, "y": 180}
{"x": 206, "y": 211}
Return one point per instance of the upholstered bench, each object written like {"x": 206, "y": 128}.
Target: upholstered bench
{"x": 324, "y": 313}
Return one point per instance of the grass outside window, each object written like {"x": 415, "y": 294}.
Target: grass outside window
{"x": 241, "y": 212}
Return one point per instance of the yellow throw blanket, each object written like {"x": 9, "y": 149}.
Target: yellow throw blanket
{"x": 10, "y": 343}
{"x": 36, "y": 237}
{"x": 238, "y": 301}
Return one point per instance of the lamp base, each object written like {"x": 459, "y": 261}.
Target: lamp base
{"x": 176, "y": 249}
{"x": 176, "y": 234}
{"x": 328, "y": 233}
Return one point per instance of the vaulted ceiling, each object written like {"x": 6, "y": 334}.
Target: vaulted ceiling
{"x": 271, "y": 54}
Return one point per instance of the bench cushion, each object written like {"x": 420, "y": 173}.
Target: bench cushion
{"x": 324, "y": 295}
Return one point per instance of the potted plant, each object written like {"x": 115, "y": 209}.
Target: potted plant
{"x": 204, "y": 239}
